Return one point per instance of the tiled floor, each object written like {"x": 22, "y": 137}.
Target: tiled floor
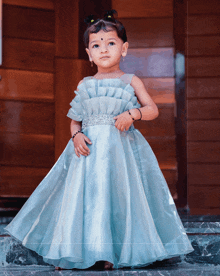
{"x": 183, "y": 269}
{"x": 203, "y": 231}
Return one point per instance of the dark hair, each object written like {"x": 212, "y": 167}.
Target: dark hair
{"x": 107, "y": 23}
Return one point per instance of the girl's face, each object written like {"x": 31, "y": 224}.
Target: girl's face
{"x": 106, "y": 49}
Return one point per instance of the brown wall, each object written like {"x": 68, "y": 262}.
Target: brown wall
{"x": 27, "y": 106}
{"x": 40, "y": 56}
{"x": 39, "y": 76}
{"x": 203, "y": 105}
{"x": 40, "y": 71}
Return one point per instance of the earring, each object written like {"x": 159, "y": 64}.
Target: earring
{"x": 91, "y": 63}
{"x": 123, "y": 58}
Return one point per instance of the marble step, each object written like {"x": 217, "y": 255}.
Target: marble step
{"x": 203, "y": 233}
{"x": 180, "y": 269}
{"x": 207, "y": 251}
{"x": 192, "y": 224}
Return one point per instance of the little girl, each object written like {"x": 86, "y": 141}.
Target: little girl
{"x": 105, "y": 199}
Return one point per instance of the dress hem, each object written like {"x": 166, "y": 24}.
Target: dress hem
{"x": 93, "y": 263}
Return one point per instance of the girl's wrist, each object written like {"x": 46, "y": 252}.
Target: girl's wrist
{"x": 135, "y": 113}
{"x": 78, "y": 131}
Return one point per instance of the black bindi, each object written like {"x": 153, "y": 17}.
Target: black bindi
{"x": 101, "y": 38}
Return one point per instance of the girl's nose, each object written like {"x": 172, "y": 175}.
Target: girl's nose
{"x": 104, "y": 48}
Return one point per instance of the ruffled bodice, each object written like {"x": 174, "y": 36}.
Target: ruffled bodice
{"x": 109, "y": 97}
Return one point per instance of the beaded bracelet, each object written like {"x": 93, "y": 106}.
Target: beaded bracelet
{"x": 133, "y": 118}
{"x": 76, "y": 133}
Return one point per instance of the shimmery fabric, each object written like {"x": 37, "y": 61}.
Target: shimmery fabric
{"x": 113, "y": 204}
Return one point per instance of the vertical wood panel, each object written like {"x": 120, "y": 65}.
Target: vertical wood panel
{"x": 203, "y": 6}
{"x": 203, "y": 87}
{"x": 67, "y": 28}
{"x": 27, "y": 96}
{"x": 204, "y": 130}
{"x": 203, "y": 66}
{"x": 26, "y": 85}
{"x": 27, "y": 117}
{"x": 149, "y": 32}
{"x": 203, "y": 99}
{"x": 207, "y": 24}
{"x": 29, "y": 150}
{"x": 16, "y": 23}
{"x": 204, "y": 174}
{"x": 140, "y": 8}
{"x": 20, "y": 181}
{"x": 40, "y": 4}
{"x": 201, "y": 46}
{"x": 203, "y": 109}
{"x": 28, "y": 55}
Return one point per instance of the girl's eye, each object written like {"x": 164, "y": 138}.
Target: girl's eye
{"x": 94, "y": 46}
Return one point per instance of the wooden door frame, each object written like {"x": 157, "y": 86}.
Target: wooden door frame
{"x": 179, "y": 33}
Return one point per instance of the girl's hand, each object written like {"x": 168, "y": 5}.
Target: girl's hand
{"x": 80, "y": 145}
{"x": 124, "y": 121}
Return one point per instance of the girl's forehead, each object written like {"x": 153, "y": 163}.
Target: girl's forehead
{"x": 103, "y": 34}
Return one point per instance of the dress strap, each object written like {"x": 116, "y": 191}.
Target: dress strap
{"x": 127, "y": 78}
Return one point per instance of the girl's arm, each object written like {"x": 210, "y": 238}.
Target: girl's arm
{"x": 149, "y": 109}
{"x": 75, "y": 125}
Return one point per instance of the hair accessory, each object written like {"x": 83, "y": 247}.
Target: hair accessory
{"x": 109, "y": 15}
{"x": 90, "y": 19}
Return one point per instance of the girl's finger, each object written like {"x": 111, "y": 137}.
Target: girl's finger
{"x": 76, "y": 152}
{"x": 88, "y": 140}
{"x": 82, "y": 150}
{"x": 86, "y": 149}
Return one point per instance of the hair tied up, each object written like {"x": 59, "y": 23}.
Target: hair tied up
{"x": 90, "y": 19}
{"x": 109, "y": 15}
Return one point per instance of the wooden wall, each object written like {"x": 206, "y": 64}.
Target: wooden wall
{"x": 39, "y": 77}
{"x": 41, "y": 69}
{"x": 149, "y": 26}
{"x": 27, "y": 106}
{"x": 203, "y": 105}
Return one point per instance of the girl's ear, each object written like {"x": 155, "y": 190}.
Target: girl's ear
{"x": 87, "y": 51}
{"x": 125, "y": 48}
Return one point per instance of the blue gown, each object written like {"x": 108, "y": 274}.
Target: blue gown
{"x": 113, "y": 204}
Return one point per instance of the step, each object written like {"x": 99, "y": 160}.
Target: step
{"x": 203, "y": 235}
{"x": 171, "y": 269}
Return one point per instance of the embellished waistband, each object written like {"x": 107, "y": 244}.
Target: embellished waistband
{"x": 100, "y": 119}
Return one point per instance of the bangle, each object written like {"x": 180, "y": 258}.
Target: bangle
{"x": 141, "y": 114}
{"x": 133, "y": 118}
{"x": 131, "y": 115}
{"x": 76, "y": 133}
